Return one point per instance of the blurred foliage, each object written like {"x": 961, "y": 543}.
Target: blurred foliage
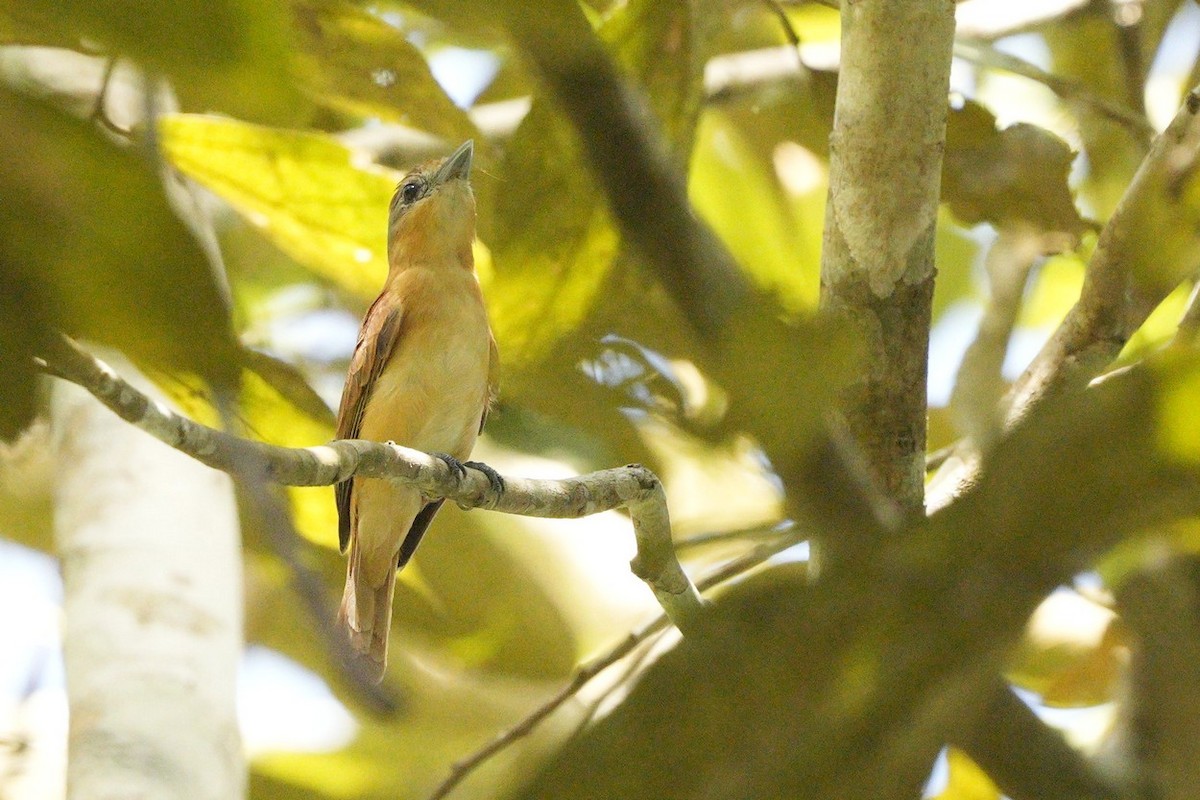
{"x": 833, "y": 688}
{"x": 812, "y": 689}
{"x": 226, "y": 54}
{"x": 361, "y": 66}
{"x": 72, "y": 260}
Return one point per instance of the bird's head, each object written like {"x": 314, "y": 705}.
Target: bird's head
{"x": 432, "y": 215}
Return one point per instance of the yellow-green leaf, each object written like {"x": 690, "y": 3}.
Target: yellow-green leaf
{"x": 738, "y": 195}
{"x": 554, "y": 240}
{"x": 965, "y": 780}
{"x": 303, "y": 190}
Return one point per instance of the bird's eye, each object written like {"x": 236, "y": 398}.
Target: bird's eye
{"x": 410, "y": 192}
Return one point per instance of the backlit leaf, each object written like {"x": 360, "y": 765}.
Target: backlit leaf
{"x": 965, "y": 780}
{"x": 739, "y": 196}
{"x": 1014, "y": 176}
{"x": 303, "y": 190}
{"x": 555, "y": 242}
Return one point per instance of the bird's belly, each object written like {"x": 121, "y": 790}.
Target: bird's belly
{"x": 431, "y": 394}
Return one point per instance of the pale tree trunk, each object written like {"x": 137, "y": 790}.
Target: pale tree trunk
{"x": 150, "y": 549}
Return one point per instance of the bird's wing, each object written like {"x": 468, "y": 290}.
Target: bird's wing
{"x": 493, "y": 383}
{"x": 376, "y": 340}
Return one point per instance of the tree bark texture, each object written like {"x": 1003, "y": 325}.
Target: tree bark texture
{"x": 877, "y": 265}
{"x": 153, "y": 603}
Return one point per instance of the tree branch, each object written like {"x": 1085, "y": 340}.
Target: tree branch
{"x": 632, "y": 487}
{"x": 877, "y": 270}
{"x": 1161, "y": 605}
{"x": 978, "y": 388}
{"x": 1069, "y": 90}
{"x": 630, "y": 162}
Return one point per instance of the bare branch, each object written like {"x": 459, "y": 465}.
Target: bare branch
{"x": 631, "y": 487}
{"x": 975, "y": 402}
{"x": 1148, "y": 246}
{"x": 1067, "y": 89}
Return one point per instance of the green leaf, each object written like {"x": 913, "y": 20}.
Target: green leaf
{"x": 358, "y": 64}
{"x": 966, "y": 781}
{"x": 555, "y": 242}
{"x": 303, "y": 190}
{"x": 1055, "y": 289}
{"x": 776, "y": 242}
{"x": 89, "y": 244}
{"x": 956, "y": 254}
{"x": 664, "y": 46}
{"x": 1178, "y": 433}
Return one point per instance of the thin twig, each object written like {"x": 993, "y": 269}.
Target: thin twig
{"x": 978, "y": 388}
{"x": 769, "y": 531}
{"x": 1129, "y": 51}
{"x": 460, "y": 769}
{"x": 789, "y": 31}
{"x": 1067, "y": 89}
{"x": 1132, "y": 270}
{"x": 632, "y": 667}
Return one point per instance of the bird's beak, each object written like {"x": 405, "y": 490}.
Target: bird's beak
{"x": 458, "y": 165}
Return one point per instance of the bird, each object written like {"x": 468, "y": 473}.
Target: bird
{"x": 423, "y": 375}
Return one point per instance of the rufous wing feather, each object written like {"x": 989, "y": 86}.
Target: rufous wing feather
{"x": 376, "y": 341}
{"x": 366, "y": 608}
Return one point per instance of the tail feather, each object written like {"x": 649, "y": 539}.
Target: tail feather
{"x": 366, "y": 614}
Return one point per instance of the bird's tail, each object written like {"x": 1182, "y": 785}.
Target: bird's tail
{"x": 366, "y": 612}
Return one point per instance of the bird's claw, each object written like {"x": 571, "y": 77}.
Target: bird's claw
{"x": 456, "y": 466}
{"x": 495, "y": 479}
{"x": 459, "y": 469}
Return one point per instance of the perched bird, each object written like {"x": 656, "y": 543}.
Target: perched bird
{"x": 422, "y": 375}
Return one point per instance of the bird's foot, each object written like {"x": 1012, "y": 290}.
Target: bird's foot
{"x": 495, "y": 479}
{"x": 456, "y": 467}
